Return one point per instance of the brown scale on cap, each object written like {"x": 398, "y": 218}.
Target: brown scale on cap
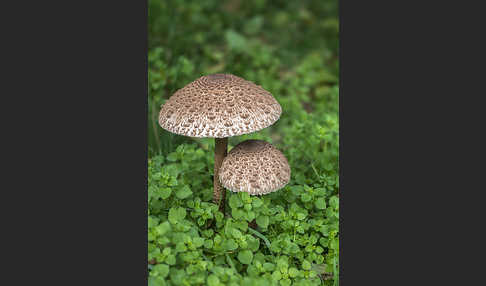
{"x": 219, "y": 105}
{"x": 255, "y": 167}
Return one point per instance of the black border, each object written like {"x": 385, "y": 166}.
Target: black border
{"x": 79, "y": 211}
{"x": 404, "y": 89}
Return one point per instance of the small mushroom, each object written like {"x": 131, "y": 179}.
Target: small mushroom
{"x": 255, "y": 167}
{"x": 217, "y": 106}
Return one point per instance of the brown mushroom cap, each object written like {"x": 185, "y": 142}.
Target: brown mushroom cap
{"x": 255, "y": 167}
{"x": 219, "y": 105}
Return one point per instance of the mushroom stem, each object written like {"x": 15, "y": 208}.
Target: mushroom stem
{"x": 220, "y": 151}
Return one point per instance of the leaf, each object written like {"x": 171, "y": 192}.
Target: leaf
{"x": 324, "y": 230}
{"x": 245, "y": 197}
{"x": 245, "y": 256}
{"x": 235, "y": 202}
{"x": 305, "y": 197}
{"x": 161, "y": 269}
{"x": 334, "y": 202}
{"x": 301, "y": 216}
{"x": 276, "y": 275}
{"x": 156, "y": 281}
{"x": 181, "y": 247}
{"x": 162, "y": 228}
{"x": 296, "y": 189}
{"x": 285, "y": 282}
{"x": 320, "y": 203}
{"x": 166, "y": 251}
{"x": 172, "y": 157}
{"x": 176, "y": 214}
{"x": 230, "y": 244}
{"x": 236, "y": 233}
{"x": 282, "y": 263}
{"x": 152, "y": 221}
{"x": 198, "y": 241}
{"x": 242, "y": 225}
{"x": 320, "y": 191}
{"x": 177, "y": 275}
{"x": 263, "y": 221}
{"x": 170, "y": 259}
{"x": 172, "y": 169}
{"x": 250, "y": 215}
{"x": 334, "y": 244}
{"x": 267, "y": 242}
{"x": 213, "y": 280}
{"x": 208, "y": 243}
{"x": 235, "y": 41}
{"x": 268, "y": 266}
{"x": 237, "y": 214}
{"x": 253, "y": 26}
{"x": 324, "y": 241}
{"x": 306, "y": 265}
{"x": 183, "y": 192}
{"x": 253, "y": 243}
{"x": 257, "y": 202}
{"x": 293, "y": 272}
{"x": 165, "y": 193}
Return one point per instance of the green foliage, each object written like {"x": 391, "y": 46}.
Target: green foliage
{"x": 192, "y": 244}
{"x": 290, "y": 49}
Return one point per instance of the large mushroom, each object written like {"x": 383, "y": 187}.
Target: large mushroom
{"x": 219, "y": 106}
{"x": 255, "y": 167}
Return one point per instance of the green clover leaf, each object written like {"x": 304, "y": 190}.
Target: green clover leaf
{"x": 245, "y": 256}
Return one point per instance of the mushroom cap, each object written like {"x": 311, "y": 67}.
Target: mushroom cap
{"x": 219, "y": 105}
{"x": 255, "y": 167}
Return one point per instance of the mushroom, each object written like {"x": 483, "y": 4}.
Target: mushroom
{"x": 219, "y": 106}
{"x": 255, "y": 167}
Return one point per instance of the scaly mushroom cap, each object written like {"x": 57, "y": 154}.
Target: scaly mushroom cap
{"x": 255, "y": 167}
{"x": 219, "y": 105}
